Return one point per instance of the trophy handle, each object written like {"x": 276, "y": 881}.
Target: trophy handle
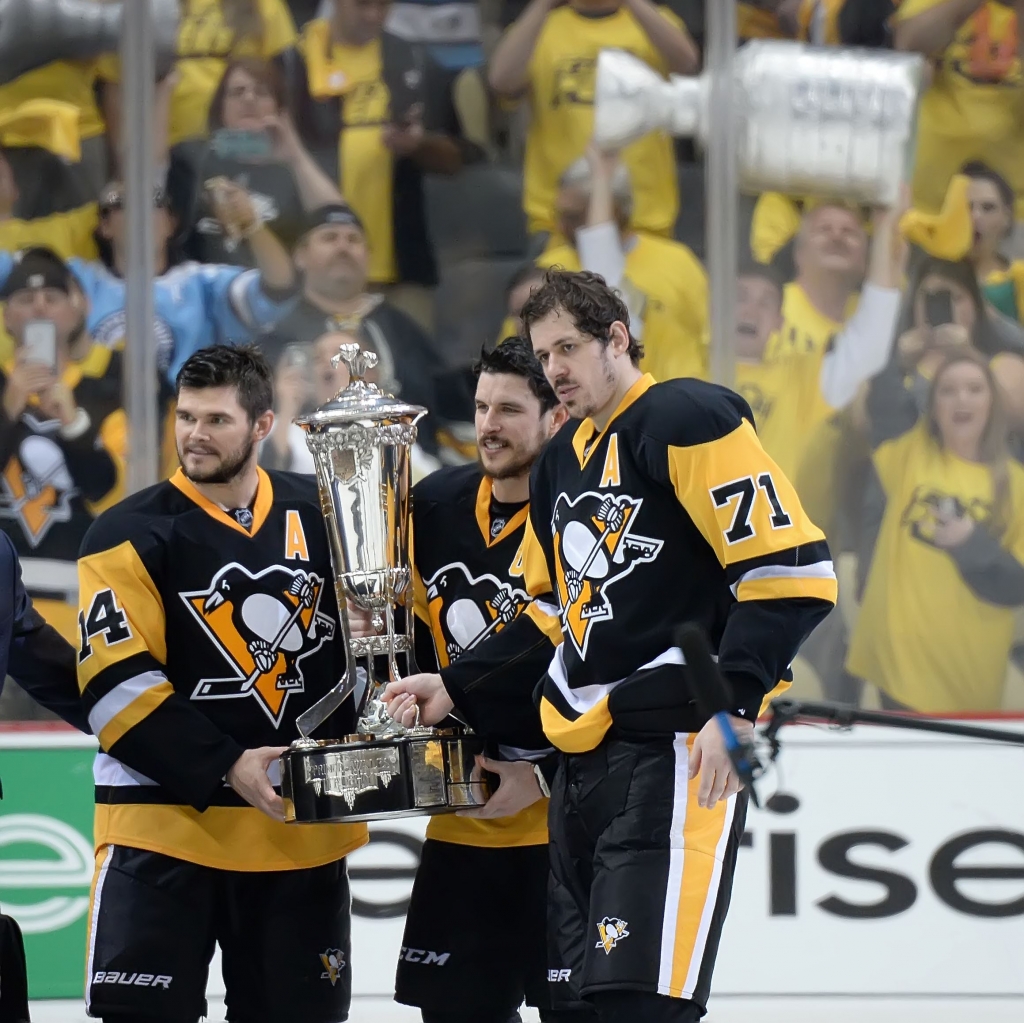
{"x": 313, "y": 717}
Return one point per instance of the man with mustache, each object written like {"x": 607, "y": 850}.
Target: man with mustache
{"x": 482, "y": 868}
{"x": 660, "y": 507}
{"x": 333, "y": 255}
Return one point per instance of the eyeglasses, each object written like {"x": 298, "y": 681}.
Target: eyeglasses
{"x": 114, "y": 200}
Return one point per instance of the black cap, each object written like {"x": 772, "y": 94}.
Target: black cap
{"x": 37, "y": 268}
{"x": 332, "y": 214}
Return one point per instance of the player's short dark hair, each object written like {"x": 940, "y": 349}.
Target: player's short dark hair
{"x": 242, "y": 367}
{"x": 981, "y": 171}
{"x": 585, "y": 296}
{"x": 515, "y": 357}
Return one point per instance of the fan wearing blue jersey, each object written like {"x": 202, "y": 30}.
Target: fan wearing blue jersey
{"x": 195, "y": 305}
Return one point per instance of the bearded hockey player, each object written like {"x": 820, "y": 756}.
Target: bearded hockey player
{"x": 479, "y": 871}
{"x": 206, "y": 626}
{"x": 659, "y": 507}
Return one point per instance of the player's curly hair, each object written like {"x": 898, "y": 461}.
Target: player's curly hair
{"x": 243, "y": 367}
{"x": 585, "y": 296}
{"x": 515, "y": 357}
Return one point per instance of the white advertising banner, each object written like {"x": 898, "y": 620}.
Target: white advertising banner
{"x": 887, "y": 863}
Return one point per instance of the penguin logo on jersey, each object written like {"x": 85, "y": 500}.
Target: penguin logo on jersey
{"x": 594, "y": 548}
{"x": 610, "y": 931}
{"x": 264, "y": 625}
{"x": 927, "y": 508}
{"x": 465, "y": 610}
{"x": 37, "y": 488}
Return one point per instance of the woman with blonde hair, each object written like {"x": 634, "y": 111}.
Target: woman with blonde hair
{"x": 937, "y": 620}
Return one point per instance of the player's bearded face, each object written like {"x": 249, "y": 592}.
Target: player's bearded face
{"x": 214, "y": 437}
{"x": 510, "y": 425}
{"x": 579, "y": 368}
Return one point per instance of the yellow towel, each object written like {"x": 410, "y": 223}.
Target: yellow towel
{"x": 948, "y": 234}
{"x": 48, "y": 123}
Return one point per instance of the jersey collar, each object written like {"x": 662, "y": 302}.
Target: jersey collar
{"x": 483, "y": 514}
{"x": 586, "y": 430}
{"x": 260, "y": 509}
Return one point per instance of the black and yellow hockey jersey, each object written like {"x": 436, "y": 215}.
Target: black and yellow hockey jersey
{"x": 52, "y": 486}
{"x": 468, "y": 585}
{"x": 199, "y": 639}
{"x": 673, "y": 513}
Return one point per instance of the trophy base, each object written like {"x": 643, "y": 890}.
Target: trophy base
{"x": 363, "y": 778}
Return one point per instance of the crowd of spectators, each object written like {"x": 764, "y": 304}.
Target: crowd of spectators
{"x": 400, "y": 172}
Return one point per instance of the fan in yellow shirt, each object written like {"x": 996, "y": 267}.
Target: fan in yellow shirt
{"x": 210, "y": 34}
{"x": 937, "y": 619}
{"x": 794, "y": 397}
{"x": 550, "y": 55}
{"x": 377, "y": 145}
{"x": 663, "y": 282}
{"x": 972, "y": 110}
{"x": 830, "y": 254}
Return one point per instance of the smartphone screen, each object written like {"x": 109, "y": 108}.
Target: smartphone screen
{"x": 938, "y": 307}
{"x": 236, "y": 144}
{"x": 40, "y": 344}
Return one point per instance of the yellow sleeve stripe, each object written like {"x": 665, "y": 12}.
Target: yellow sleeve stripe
{"x": 781, "y": 589}
{"x": 738, "y": 497}
{"x": 150, "y": 695}
{"x": 120, "y": 571}
{"x": 579, "y": 735}
{"x": 548, "y": 623}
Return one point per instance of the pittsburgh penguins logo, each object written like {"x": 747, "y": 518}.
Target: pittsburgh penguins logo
{"x": 465, "y": 610}
{"x": 264, "y": 625}
{"x": 594, "y": 548}
{"x": 928, "y": 507}
{"x": 37, "y": 487}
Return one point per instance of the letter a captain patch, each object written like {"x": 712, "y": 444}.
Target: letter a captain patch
{"x": 610, "y": 477}
{"x": 294, "y": 537}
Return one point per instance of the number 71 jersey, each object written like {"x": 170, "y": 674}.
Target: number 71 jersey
{"x": 673, "y": 513}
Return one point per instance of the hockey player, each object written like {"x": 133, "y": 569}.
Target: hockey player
{"x": 659, "y": 507}
{"x": 206, "y": 626}
{"x": 478, "y": 871}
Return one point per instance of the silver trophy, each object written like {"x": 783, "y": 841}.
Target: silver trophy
{"x": 361, "y": 443}
{"x": 820, "y": 121}
{"x": 36, "y": 32}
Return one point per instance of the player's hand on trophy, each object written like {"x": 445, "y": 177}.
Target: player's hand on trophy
{"x": 248, "y": 777}
{"x": 710, "y": 759}
{"x": 425, "y": 691}
{"x": 517, "y": 789}
{"x": 360, "y": 621}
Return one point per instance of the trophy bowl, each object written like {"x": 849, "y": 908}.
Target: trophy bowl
{"x": 361, "y": 443}
{"x": 362, "y": 778}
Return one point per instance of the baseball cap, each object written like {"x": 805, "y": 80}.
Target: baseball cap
{"x": 337, "y": 213}
{"x": 37, "y": 268}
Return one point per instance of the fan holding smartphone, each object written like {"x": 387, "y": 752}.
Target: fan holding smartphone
{"x": 62, "y": 430}
{"x": 945, "y": 311}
